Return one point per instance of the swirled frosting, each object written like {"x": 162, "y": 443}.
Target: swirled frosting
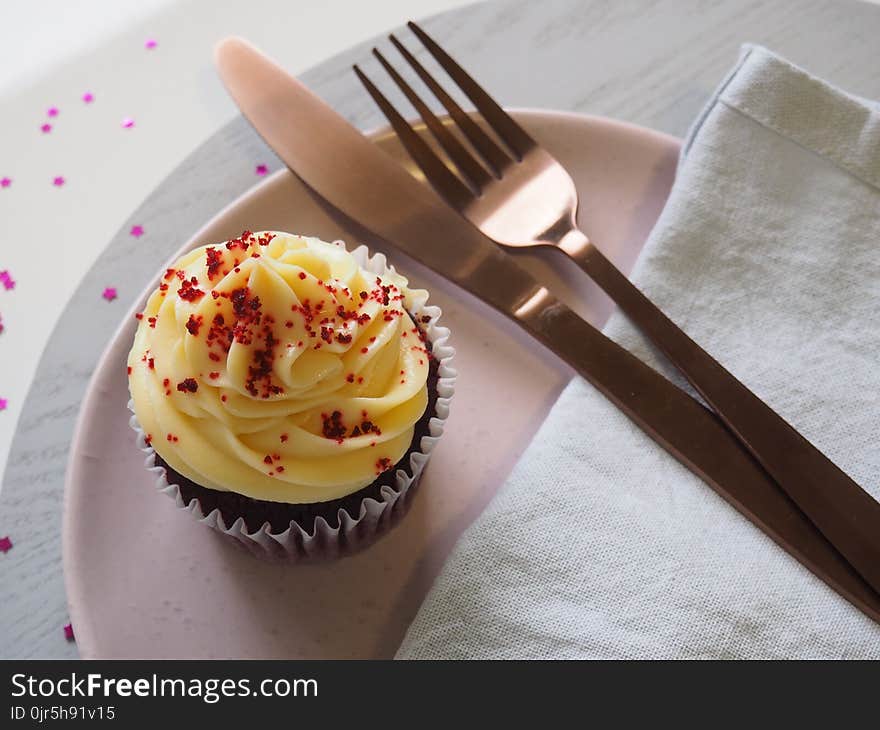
{"x": 275, "y": 366}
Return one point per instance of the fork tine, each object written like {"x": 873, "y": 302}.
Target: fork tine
{"x": 444, "y": 181}
{"x": 513, "y": 135}
{"x": 496, "y": 158}
{"x": 471, "y": 170}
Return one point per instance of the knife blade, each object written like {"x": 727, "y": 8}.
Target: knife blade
{"x": 368, "y": 187}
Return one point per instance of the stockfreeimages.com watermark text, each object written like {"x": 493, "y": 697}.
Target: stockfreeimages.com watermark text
{"x": 109, "y": 688}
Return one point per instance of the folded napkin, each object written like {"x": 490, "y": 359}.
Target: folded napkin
{"x": 600, "y": 544}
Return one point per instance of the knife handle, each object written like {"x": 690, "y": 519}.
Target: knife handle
{"x": 694, "y": 436}
{"x": 844, "y": 512}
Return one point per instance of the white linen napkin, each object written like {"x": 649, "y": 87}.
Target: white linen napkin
{"x": 600, "y": 544}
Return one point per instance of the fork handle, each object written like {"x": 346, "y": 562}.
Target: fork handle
{"x": 844, "y": 512}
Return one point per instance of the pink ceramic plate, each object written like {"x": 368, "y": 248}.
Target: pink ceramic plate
{"x": 145, "y": 580}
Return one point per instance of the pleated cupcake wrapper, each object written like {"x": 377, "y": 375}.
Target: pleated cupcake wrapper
{"x": 376, "y": 516}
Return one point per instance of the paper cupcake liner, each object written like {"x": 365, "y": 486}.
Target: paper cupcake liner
{"x": 376, "y": 516}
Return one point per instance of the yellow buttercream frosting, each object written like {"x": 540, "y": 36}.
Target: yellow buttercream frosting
{"x": 277, "y": 367}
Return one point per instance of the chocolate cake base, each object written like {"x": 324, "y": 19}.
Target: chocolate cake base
{"x": 279, "y": 515}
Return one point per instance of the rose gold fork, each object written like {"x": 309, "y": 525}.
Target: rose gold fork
{"x": 519, "y": 195}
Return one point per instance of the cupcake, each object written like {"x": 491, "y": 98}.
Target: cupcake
{"x": 289, "y": 392}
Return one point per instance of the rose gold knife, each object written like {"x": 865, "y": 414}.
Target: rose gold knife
{"x": 369, "y": 188}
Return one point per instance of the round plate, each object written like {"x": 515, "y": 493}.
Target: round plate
{"x": 146, "y": 580}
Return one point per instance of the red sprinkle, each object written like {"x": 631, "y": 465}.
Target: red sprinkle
{"x": 189, "y": 291}
{"x": 193, "y": 324}
{"x": 214, "y": 261}
{"x": 188, "y": 386}
{"x": 333, "y": 428}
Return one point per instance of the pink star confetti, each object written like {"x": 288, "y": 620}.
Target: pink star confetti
{"x": 58, "y": 181}
{"x": 5, "y": 544}
{"x": 46, "y": 128}
{"x": 52, "y": 111}
{"x": 261, "y": 170}
{"x": 5, "y": 182}
{"x": 1, "y": 325}
{"x": 128, "y": 123}
{"x": 150, "y": 44}
{"x": 7, "y": 280}
{"x": 68, "y": 632}
{"x": 3, "y": 404}
{"x": 137, "y": 231}
{"x": 88, "y": 97}
{"x": 109, "y": 293}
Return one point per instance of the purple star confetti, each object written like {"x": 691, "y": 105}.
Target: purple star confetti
{"x": 5, "y": 182}
{"x": 137, "y": 231}
{"x": 68, "y": 632}
{"x": 3, "y": 404}
{"x": 150, "y": 44}
{"x": 261, "y": 170}
{"x": 88, "y": 97}
{"x": 52, "y": 111}
{"x": 109, "y": 293}
{"x": 46, "y": 128}
{"x": 7, "y": 280}
{"x": 58, "y": 181}
{"x": 5, "y": 544}
{"x": 128, "y": 123}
